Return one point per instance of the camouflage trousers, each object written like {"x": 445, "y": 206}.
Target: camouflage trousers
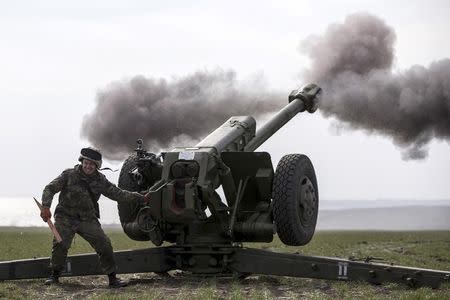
{"x": 92, "y": 232}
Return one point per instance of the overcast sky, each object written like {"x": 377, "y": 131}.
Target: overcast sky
{"x": 56, "y": 55}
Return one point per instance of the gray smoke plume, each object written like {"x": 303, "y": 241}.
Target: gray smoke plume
{"x": 171, "y": 113}
{"x": 353, "y": 63}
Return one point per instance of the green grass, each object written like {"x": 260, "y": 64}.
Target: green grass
{"x": 426, "y": 249}
{"x": 19, "y": 243}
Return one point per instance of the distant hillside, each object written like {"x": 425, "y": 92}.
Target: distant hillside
{"x": 383, "y": 214}
{"x": 392, "y": 218}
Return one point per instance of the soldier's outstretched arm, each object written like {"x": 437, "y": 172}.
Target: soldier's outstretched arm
{"x": 115, "y": 193}
{"x": 54, "y": 187}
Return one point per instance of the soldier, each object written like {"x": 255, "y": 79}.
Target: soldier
{"x": 78, "y": 212}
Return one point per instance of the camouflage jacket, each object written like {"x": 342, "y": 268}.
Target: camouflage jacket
{"x": 80, "y": 193}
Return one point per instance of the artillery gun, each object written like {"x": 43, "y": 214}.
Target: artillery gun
{"x": 185, "y": 185}
{"x": 206, "y": 233}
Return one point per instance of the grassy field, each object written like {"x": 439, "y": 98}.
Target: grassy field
{"x": 426, "y": 249}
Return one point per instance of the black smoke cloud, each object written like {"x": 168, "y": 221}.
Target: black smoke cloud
{"x": 171, "y": 113}
{"x": 353, "y": 62}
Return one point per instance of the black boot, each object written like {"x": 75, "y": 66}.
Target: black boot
{"x": 53, "y": 279}
{"x": 115, "y": 282}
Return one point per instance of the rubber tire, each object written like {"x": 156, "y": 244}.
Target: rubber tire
{"x": 128, "y": 210}
{"x": 286, "y": 193}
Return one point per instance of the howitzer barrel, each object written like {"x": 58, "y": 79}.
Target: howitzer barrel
{"x": 238, "y": 132}
{"x": 300, "y": 100}
{"x": 233, "y": 135}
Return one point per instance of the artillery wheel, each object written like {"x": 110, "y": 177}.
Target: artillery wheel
{"x": 125, "y": 180}
{"x": 295, "y": 199}
{"x": 128, "y": 210}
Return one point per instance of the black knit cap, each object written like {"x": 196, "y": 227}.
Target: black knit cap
{"x": 91, "y": 154}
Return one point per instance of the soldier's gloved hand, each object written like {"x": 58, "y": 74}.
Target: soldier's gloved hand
{"x": 146, "y": 199}
{"x": 45, "y": 214}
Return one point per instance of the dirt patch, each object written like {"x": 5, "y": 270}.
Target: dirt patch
{"x": 176, "y": 285}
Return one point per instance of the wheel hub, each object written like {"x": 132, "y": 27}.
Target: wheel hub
{"x": 307, "y": 201}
